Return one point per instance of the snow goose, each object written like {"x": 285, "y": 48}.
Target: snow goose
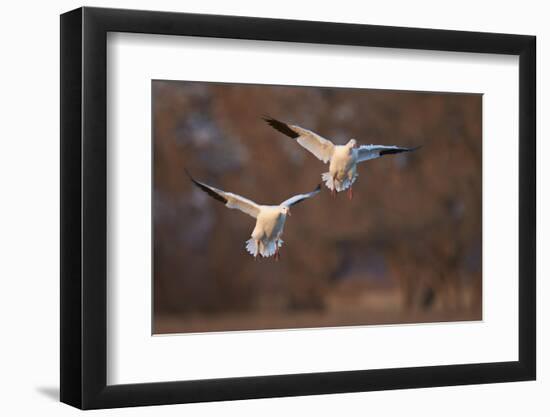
{"x": 343, "y": 159}
{"x": 270, "y": 220}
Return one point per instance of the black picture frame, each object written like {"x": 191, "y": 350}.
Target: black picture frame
{"x": 84, "y": 207}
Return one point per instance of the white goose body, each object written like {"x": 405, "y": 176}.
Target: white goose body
{"x": 343, "y": 159}
{"x": 270, "y": 219}
{"x": 266, "y": 236}
{"x": 342, "y": 171}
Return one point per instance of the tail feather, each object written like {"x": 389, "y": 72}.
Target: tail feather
{"x": 266, "y": 249}
{"x": 251, "y": 247}
{"x": 338, "y": 185}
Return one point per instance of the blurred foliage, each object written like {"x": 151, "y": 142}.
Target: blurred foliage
{"x": 406, "y": 248}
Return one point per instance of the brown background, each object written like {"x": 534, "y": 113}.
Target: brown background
{"x": 407, "y": 248}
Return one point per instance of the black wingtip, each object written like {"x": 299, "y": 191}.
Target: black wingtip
{"x": 281, "y": 127}
{"x": 206, "y": 189}
{"x": 399, "y": 150}
{"x": 318, "y": 188}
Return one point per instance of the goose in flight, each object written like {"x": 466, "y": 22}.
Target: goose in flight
{"x": 270, "y": 220}
{"x": 343, "y": 159}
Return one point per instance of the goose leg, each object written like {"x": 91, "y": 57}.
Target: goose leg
{"x": 350, "y": 192}
{"x": 257, "y": 249}
{"x": 333, "y": 191}
{"x": 277, "y": 254}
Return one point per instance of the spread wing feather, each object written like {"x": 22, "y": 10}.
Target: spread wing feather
{"x": 301, "y": 197}
{"x": 320, "y": 147}
{"x": 366, "y": 152}
{"x": 230, "y": 200}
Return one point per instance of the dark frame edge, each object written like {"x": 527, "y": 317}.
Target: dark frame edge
{"x": 527, "y": 207}
{"x": 276, "y": 386}
{"x": 71, "y": 378}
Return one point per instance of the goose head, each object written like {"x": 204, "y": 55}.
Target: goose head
{"x": 352, "y": 143}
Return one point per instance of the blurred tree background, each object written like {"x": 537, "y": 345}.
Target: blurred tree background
{"x": 406, "y": 249}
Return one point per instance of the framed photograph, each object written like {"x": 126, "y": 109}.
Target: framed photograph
{"x": 258, "y": 208}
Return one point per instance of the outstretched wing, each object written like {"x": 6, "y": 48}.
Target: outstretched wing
{"x": 230, "y": 200}
{"x": 320, "y": 147}
{"x": 366, "y": 152}
{"x": 301, "y": 197}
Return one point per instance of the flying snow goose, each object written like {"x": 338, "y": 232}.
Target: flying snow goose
{"x": 343, "y": 159}
{"x": 270, "y": 220}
